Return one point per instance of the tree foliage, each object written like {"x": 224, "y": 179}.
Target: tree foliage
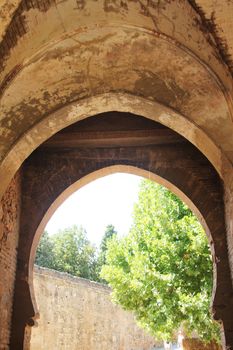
{"x": 69, "y": 251}
{"x": 163, "y": 270}
{"x": 44, "y": 253}
{"x": 109, "y": 233}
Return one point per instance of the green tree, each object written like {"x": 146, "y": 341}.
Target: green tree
{"x": 109, "y": 233}
{"x": 44, "y": 253}
{"x": 163, "y": 270}
{"x": 70, "y": 252}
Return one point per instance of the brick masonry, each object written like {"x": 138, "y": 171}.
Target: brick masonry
{"x": 9, "y": 228}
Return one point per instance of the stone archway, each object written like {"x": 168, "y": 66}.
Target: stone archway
{"x": 106, "y": 143}
{"x": 63, "y": 61}
{"x": 86, "y": 108}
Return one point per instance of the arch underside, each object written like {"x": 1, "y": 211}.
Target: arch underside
{"x": 109, "y": 143}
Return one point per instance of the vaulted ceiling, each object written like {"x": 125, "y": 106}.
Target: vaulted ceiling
{"x": 64, "y": 60}
{"x": 217, "y": 13}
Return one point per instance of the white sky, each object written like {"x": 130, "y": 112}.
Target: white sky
{"x": 108, "y": 200}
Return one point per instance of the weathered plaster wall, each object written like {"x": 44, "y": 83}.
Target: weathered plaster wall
{"x": 9, "y": 228}
{"x": 76, "y": 314}
{"x": 7, "y": 9}
{"x": 219, "y": 15}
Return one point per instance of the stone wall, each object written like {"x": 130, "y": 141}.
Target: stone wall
{"x": 9, "y": 228}
{"x": 77, "y": 314}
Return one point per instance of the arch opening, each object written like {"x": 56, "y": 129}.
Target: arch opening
{"x": 126, "y": 169}
{"x": 103, "y": 173}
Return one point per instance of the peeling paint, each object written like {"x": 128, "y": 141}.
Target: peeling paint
{"x": 18, "y": 25}
{"x": 162, "y": 90}
{"x": 209, "y": 27}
